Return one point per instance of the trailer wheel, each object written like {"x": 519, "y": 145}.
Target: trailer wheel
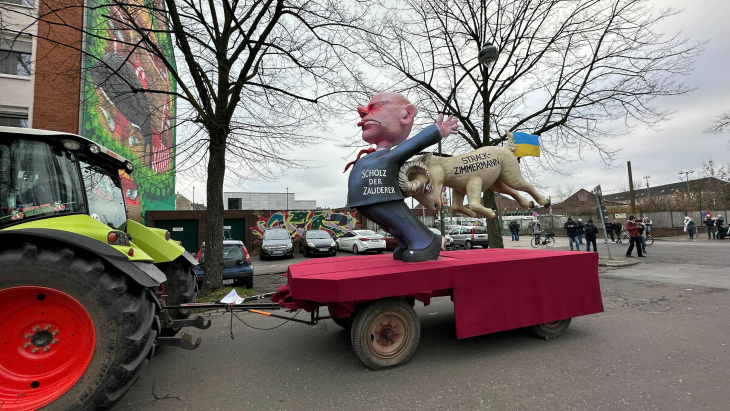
{"x": 551, "y": 330}
{"x": 385, "y": 333}
{"x": 180, "y": 288}
{"x": 75, "y": 333}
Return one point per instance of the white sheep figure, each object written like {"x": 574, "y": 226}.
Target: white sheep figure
{"x": 468, "y": 175}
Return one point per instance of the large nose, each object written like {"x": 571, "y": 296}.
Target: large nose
{"x": 362, "y": 111}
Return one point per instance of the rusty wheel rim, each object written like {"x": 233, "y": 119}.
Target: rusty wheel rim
{"x": 389, "y": 335}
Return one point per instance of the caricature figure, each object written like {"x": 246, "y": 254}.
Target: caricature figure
{"x": 373, "y": 182}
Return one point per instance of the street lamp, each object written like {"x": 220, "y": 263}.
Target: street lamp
{"x": 647, "y": 185}
{"x": 687, "y": 173}
{"x": 287, "y": 199}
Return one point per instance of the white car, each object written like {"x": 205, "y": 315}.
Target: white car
{"x": 358, "y": 241}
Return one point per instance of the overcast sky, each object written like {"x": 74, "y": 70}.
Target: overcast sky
{"x": 680, "y": 144}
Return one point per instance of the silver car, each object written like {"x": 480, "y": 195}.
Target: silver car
{"x": 469, "y": 236}
{"x": 358, "y": 241}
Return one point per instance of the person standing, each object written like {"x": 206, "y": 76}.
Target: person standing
{"x": 571, "y": 228}
{"x": 648, "y": 223}
{"x": 617, "y": 229}
{"x": 719, "y": 222}
{"x": 581, "y": 230}
{"x": 591, "y": 231}
{"x": 633, "y": 229}
{"x": 710, "y": 224}
{"x": 689, "y": 226}
{"x": 514, "y": 228}
{"x": 641, "y": 227}
{"x": 609, "y": 230}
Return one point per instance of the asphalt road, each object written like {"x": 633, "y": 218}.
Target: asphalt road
{"x": 662, "y": 343}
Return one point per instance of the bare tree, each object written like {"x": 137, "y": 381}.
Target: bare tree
{"x": 721, "y": 123}
{"x": 251, "y": 76}
{"x": 573, "y": 72}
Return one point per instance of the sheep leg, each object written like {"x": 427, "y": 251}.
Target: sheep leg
{"x": 511, "y": 176}
{"x": 474, "y": 198}
{"x": 457, "y": 204}
{"x": 500, "y": 187}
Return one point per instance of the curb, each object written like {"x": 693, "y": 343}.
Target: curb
{"x": 617, "y": 262}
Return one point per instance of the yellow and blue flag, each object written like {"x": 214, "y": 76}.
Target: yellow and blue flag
{"x": 527, "y": 144}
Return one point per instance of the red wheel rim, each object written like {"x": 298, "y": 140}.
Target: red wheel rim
{"x": 47, "y": 342}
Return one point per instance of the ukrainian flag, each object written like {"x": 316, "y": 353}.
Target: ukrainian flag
{"x": 527, "y": 144}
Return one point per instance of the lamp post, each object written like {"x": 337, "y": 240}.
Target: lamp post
{"x": 487, "y": 55}
{"x": 647, "y": 185}
{"x": 287, "y": 199}
{"x": 192, "y": 207}
{"x": 687, "y": 173}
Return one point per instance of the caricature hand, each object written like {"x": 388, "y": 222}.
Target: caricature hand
{"x": 449, "y": 126}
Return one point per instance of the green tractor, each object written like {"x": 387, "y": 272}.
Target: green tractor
{"x": 82, "y": 288}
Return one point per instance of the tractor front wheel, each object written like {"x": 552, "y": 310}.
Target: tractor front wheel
{"x": 76, "y": 333}
{"x": 180, "y": 288}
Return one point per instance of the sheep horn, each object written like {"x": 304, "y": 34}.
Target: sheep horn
{"x": 408, "y": 186}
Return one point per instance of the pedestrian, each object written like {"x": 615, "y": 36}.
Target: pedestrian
{"x": 581, "y": 230}
{"x": 648, "y": 223}
{"x": 710, "y": 224}
{"x": 719, "y": 223}
{"x": 609, "y": 230}
{"x": 641, "y": 227}
{"x": 591, "y": 231}
{"x": 633, "y": 229}
{"x": 571, "y": 228}
{"x": 514, "y": 228}
{"x": 689, "y": 227}
{"x": 617, "y": 229}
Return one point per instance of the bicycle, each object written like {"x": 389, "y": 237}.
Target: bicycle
{"x": 538, "y": 241}
{"x": 647, "y": 238}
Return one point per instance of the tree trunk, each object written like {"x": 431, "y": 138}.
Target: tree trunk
{"x": 494, "y": 231}
{"x": 214, "y": 223}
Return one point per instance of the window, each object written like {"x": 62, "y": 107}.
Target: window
{"x": 582, "y": 197}
{"x": 15, "y": 56}
{"x": 24, "y": 3}
{"x": 234, "y": 203}
{"x": 13, "y": 120}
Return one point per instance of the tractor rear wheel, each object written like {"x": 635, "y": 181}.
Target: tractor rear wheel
{"x": 76, "y": 333}
{"x": 180, "y": 288}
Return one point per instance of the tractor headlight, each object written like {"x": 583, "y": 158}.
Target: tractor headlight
{"x": 71, "y": 145}
{"x": 94, "y": 149}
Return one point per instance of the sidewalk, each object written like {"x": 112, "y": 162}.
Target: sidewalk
{"x": 562, "y": 244}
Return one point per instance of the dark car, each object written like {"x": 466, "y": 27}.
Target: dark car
{"x": 237, "y": 266}
{"x": 317, "y": 242}
{"x": 276, "y": 242}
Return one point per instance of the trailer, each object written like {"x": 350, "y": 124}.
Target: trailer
{"x": 492, "y": 290}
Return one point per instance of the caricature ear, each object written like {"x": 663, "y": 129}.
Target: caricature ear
{"x": 408, "y": 113}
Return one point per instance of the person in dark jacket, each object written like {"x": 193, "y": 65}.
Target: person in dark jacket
{"x": 617, "y": 230}
{"x": 632, "y": 227}
{"x": 571, "y": 228}
{"x": 514, "y": 228}
{"x": 591, "y": 233}
{"x": 581, "y": 230}
{"x": 719, "y": 222}
{"x": 710, "y": 224}
{"x": 609, "y": 230}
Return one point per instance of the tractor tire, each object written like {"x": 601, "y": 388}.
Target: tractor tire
{"x": 181, "y": 287}
{"x": 76, "y": 332}
{"x": 551, "y": 330}
{"x": 385, "y": 333}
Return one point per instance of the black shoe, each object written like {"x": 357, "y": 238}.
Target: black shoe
{"x": 429, "y": 253}
{"x": 398, "y": 253}
{"x": 643, "y": 256}
{"x": 629, "y": 256}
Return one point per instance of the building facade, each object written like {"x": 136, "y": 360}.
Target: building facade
{"x": 265, "y": 201}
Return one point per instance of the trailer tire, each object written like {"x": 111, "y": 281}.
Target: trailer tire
{"x": 93, "y": 329}
{"x": 180, "y": 288}
{"x": 551, "y": 330}
{"x": 385, "y": 333}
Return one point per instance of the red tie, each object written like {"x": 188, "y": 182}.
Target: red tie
{"x": 366, "y": 151}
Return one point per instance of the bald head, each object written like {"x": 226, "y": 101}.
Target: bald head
{"x": 387, "y": 120}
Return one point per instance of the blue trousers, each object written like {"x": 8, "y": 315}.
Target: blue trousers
{"x": 588, "y": 244}
{"x": 574, "y": 239}
{"x": 515, "y": 235}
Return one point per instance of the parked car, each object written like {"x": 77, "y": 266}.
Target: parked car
{"x": 449, "y": 242}
{"x": 317, "y": 242}
{"x": 276, "y": 242}
{"x": 361, "y": 240}
{"x": 469, "y": 236}
{"x": 237, "y": 265}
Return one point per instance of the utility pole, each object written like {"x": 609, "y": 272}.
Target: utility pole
{"x": 647, "y": 185}
{"x": 287, "y": 199}
{"x": 687, "y": 173}
{"x": 632, "y": 195}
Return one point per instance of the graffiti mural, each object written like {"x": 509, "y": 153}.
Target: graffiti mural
{"x": 297, "y": 222}
{"x": 137, "y": 125}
